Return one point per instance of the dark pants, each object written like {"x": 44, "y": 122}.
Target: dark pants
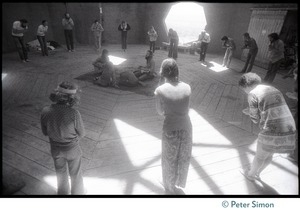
{"x": 173, "y": 49}
{"x": 43, "y": 44}
{"x": 65, "y": 160}
{"x": 203, "y": 49}
{"x": 124, "y": 40}
{"x": 19, "y": 42}
{"x": 152, "y": 46}
{"x": 250, "y": 61}
{"x": 272, "y": 70}
{"x": 69, "y": 39}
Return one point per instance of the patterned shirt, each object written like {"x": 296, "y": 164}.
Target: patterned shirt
{"x": 63, "y": 125}
{"x": 267, "y": 107}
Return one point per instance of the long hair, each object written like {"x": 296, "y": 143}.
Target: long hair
{"x": 169, "y": 70}
{"x": 66, "y": 94}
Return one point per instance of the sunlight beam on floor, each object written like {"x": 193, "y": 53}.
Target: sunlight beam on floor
{"x": 214, "y": 66}
{"x": 147, "y": 146}
{"x": 116, "y": 60}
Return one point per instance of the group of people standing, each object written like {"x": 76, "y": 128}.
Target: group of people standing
{"x": 63, "y": 124}
{"x": 275, "y": 48}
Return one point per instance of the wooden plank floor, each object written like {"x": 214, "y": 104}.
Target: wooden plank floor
{"x": 122, "y": 148}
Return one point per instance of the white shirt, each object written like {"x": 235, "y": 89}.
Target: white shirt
{"x": 17, "y": 26}
{"x": 42, "y": 30}
{"x": 204, "y": 38}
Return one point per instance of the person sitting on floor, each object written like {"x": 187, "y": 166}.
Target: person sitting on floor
{"x": 135, "y": 78}
{"x": 147, "y": 72}
{"x": 106, "y": 70}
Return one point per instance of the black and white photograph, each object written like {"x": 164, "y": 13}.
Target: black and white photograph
{"x": 156, "y": 99}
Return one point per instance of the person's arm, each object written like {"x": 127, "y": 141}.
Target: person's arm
{"x": 158, "y": 102}
{"x": 101, "y": 28}
{"x": 64, "y": 22}
{"x": 92, "y": 28}
{"x": 40, "y": 30}
{"x": 18, "y": 29}
{"x": 43, "y": 124}
{"x": 119, "y": 28}
{"x": 233, "y": 47}
{"x": 128, "y": 27}
{"x": 254, "y": 112}
{"x": 79, "y": 127}
{"x": 71, "y": 22}
{"x": 208, "y": 38}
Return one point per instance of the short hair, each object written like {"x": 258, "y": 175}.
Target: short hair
{"x": 224, "y": 38}
{"x": 169, "y": 69}
{"x": 249, "y": 79}
{"x": 23, "y": 21}
{"x": 274, "y": 35}
{"x": 61, "y": 97}
{"x": 44, "y": 21}
{"x": 96, "y": 21}
{"x": 246, "y": 34}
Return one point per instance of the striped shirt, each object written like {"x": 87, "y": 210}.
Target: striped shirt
{"x": 63, "y": 125}
{"x": 267, "y": 107}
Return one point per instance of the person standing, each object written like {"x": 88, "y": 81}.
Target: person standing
{"x": 229, "y": 44}
{"x": 204, "y": 39}
{"x": 124, "y": 27}
{"x": 41, "y": 36}
{"x": 68, "y": 25}
{"x": 152, "y": 38}
{"x": 268, "y": 108}
{"x": 173, "y": 37}
{"x": 97, "y": 30}
{"x": 172, "y": 101}
{"x": 276, "y": 55}
{"x": 250, "y": 44}
{"x": 63, "y": 124}
{"x": 18, "y": 30}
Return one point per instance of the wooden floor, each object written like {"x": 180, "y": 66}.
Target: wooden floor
{"x": 122, "y": 148}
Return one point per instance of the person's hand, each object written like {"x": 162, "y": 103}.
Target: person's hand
{"x": 246, "y": 111}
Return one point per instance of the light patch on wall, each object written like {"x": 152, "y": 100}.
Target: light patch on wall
{"x": 3, "y": 75}
{"x": 187, "y": 19}
{"x": 116, "y": 60}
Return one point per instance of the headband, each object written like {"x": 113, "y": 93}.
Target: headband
{"x": 66, "y": 91}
